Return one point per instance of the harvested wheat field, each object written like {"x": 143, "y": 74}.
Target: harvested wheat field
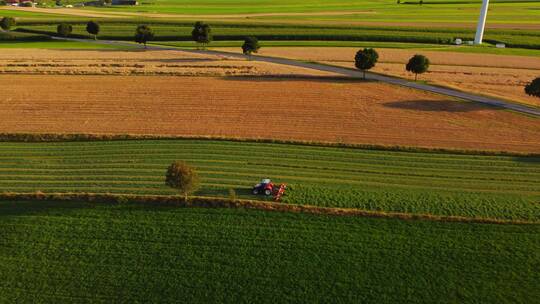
{"x": 323, "y": 109}
{"x": 135, "y": 62}
{"x": 497, "y": 75}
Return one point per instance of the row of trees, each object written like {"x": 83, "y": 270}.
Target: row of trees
{"x": 367, "y": 58}
{"x": 201, "y": 34}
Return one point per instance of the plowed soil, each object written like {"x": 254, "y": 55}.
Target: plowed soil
{"x": 497, "y": 75}
{"x": 335, "y": 110}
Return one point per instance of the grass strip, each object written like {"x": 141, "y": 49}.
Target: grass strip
{"x": 213, "y": 202}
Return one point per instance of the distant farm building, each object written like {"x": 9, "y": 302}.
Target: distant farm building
{"x": 125, "y": 2}
{"x": 114, "y": 2}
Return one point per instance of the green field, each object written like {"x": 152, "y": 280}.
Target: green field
{"x": 497, "y": 187}
{"x": 440, "y": 13}
{"x": 181, "y": 31}
{"x": 76, "y": 252}
{"x": 502, "y": 11}
{"x": 435, "y": 22}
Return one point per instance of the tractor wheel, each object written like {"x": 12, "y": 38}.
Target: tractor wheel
{"x": 267, "y": 192}
{"x": 255, "y": 191}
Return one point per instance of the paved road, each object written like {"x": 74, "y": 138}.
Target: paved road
{"x": 345, "y": 72}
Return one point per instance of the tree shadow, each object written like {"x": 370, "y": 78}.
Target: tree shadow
{"x": 437, "y": 106}
{"x": 173, "y": 60}
{"x": 535, "y": 160}
{"x": 243, "y": 193}
{"x": 34, "y": 207}
{"x": 289, "y": 78}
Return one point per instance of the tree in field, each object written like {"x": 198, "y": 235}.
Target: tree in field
{"x": 418, "y": 64}
{"x": 366, "y": 59}
{"x": 64, "y": 29}
{"x": 202, "y": 33}
{"x": 182, "y": 177}
{"x": 7, "y": 23}
{"x": 143, "y": 34}
{"x": 93, "y": 28}
{"x": 533, "y": 88}
{"x": 251, "y": 45}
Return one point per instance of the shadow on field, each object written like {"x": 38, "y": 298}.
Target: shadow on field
{"x": 528, "y": 159}
{"x": 240, "y": 192}
{"x": 289, "y": 78}
{"x": 173, "y": 60}
{"x": 19, "y": 207}
{"x": 437, "y": 106}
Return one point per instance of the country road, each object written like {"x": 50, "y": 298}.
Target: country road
{"x": 490, "y": 101}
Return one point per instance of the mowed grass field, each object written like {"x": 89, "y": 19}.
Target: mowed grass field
{"x": 77, "y": 252}
{"x": 496, "y": 187}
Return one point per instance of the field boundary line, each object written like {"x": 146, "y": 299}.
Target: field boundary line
{"x": 215, "y": 202}
{"x": 89, "y": 137}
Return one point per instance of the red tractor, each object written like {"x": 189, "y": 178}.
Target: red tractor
{"x": 268, "y": 188}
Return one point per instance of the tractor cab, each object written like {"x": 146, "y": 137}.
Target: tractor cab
{"x": 265, "y": 187}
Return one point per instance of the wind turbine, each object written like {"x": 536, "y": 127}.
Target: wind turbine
{"x": 481, "y": 22}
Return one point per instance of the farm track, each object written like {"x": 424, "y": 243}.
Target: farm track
{"x": 499, "y": 187}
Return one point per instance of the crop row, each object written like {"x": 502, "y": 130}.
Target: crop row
{"x": 182, "y": 32}
{"x": 502, "y": 187}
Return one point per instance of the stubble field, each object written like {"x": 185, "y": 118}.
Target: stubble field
{"x": 136, "y": 62}
{"x": 497, "y": 75}
{"x": 322, "y": 109}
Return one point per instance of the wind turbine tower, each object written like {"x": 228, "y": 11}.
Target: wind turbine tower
{"x": 481, "y": 22}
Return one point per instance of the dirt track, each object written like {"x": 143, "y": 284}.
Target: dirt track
{"x": 497, "y": 75}
{"x": 320, "y": 110}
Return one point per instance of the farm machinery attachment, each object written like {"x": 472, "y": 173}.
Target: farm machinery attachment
{"x": 268, "y": 188}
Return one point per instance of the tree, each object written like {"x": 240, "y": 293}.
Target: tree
{"x": 143, "y": 34}
{"x": 251, "y": 45}
{"x": 64, "y": 29}
{"x": 93, "y": 28}
{"x": 7, "y": 22}
{"x": 533, "y": 88}
{"x": 202, "y": 33}
{"x": 366, "y": 59}
{"x": 182, "y": 177}
{"x": 418, "y": 64}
